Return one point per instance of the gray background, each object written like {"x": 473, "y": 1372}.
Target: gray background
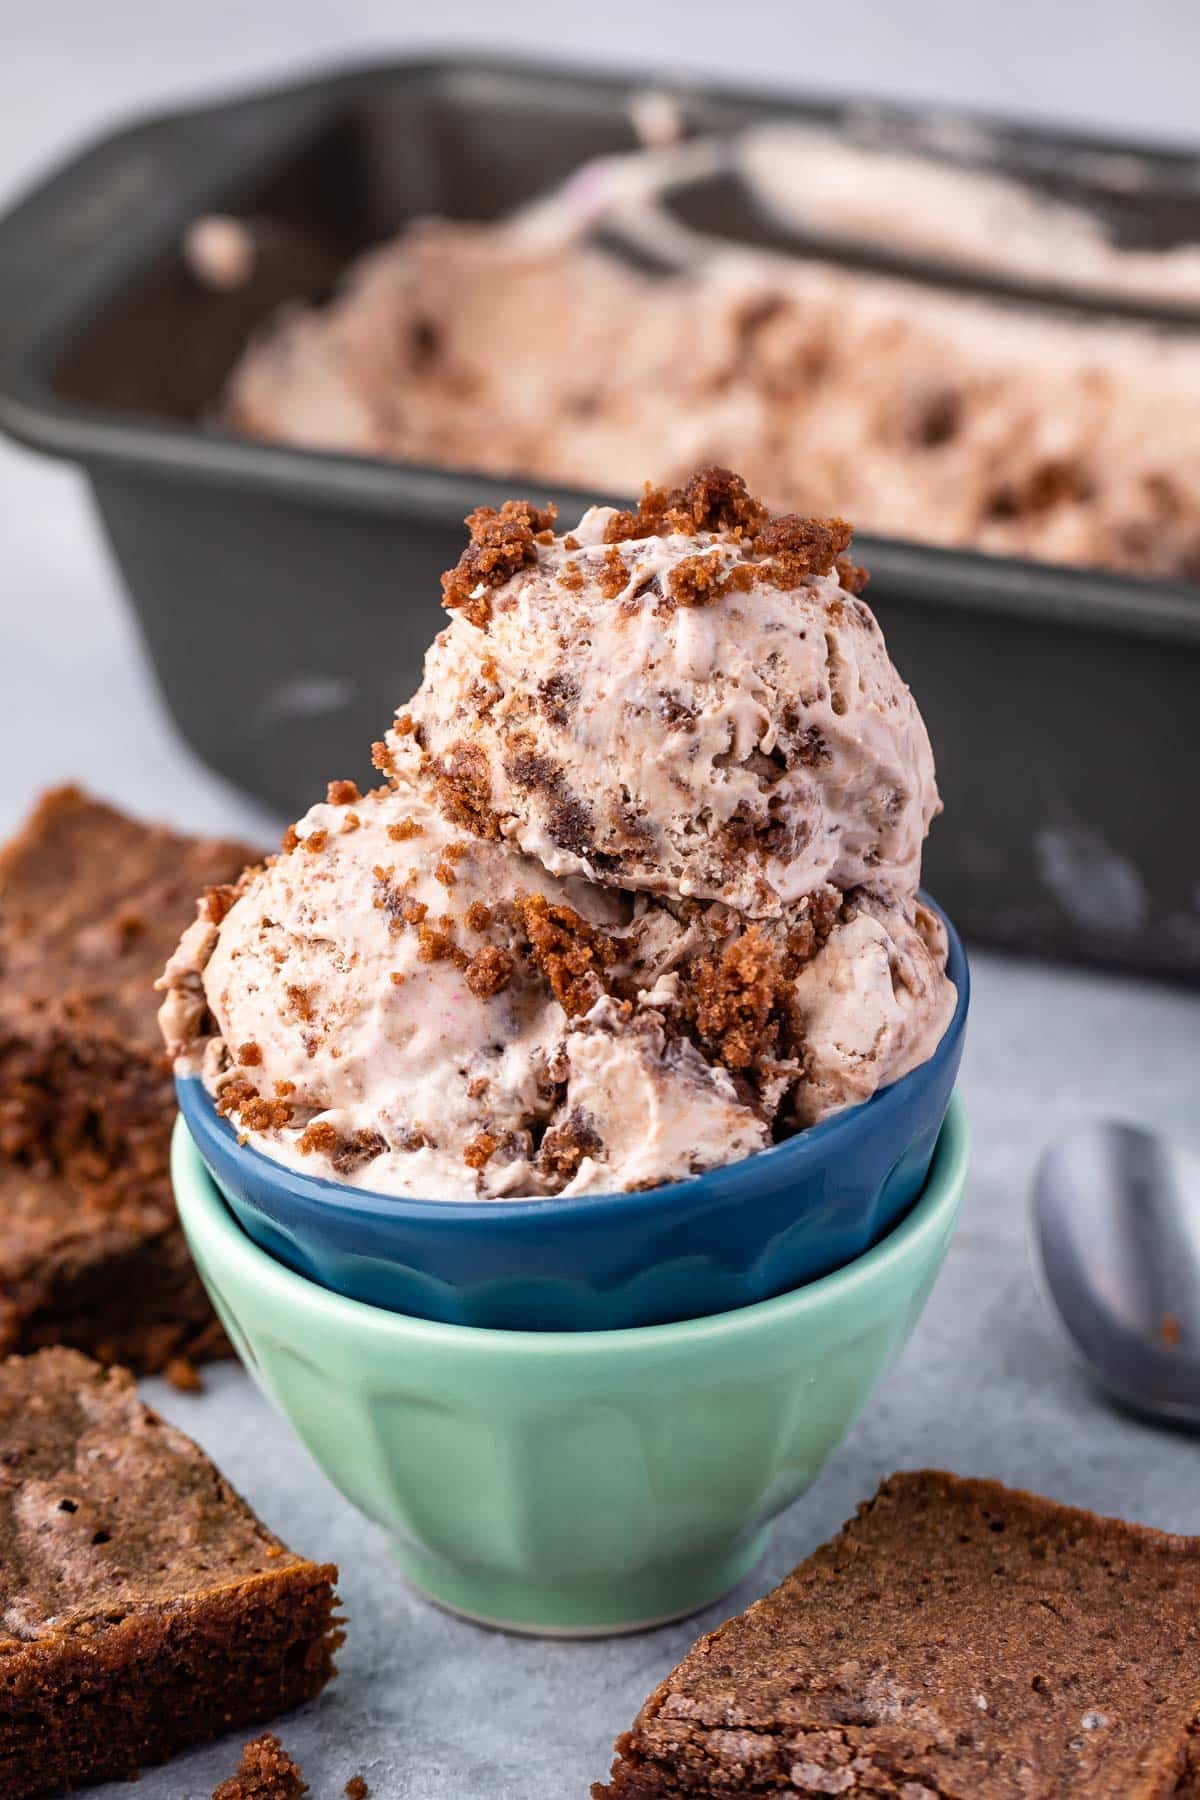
{"x": 428, "y": 1708}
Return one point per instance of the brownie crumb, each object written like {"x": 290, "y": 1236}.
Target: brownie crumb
{"x": 573, "y": 955}
{"x": 734, "y": 997}
{"x": 464, "y": 789}
{"x": 320, "y": 1138}
{"x": 489, "y": 971}
{"x": 565, "y": 1146}
{"x": 478, "y": 916}
{"x": 183, "y": 1375}
{"x": 501, "y": 543}
{"x": 342, "y": 793}
{"x": 787, "y": 551}
{"x": 249, "y": 1054}
{"x": 528, "y": 769}
{"x": 852, "y": 575}
{"x": 715, "y": 499}
{"x": 300, "y": 1000}
{"x": 800, "y": 550}
{"x": 267, "y": 1772}
{"x": 570, "y": 824}
{"x": 356, "y": 1788}
{"x": 696, "y": 581}
{"x": 614, "y": 576}
{"x": 359, "y": 1148}
{"x": 435, "y": 943}
{"x": 218, "y": 900}
{"x": 813, "y": 920}
{"x": 255, "y": 1113}
{"x": 557, "y": 696}
{"x": 481, "y": 1149}
{"x": 738, "y": 999}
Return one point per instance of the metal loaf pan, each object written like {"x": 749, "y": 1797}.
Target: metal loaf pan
{"x": 286, "y": 596}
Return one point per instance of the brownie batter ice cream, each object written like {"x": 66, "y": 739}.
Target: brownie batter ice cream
{"x": 638, "y": 898}
{"x": 690, "y": 700}
{"x": 419, "y": 1010}
{"x": 920, "y": 411}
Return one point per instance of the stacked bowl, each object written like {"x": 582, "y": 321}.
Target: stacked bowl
{"x": 580, "y": 1415}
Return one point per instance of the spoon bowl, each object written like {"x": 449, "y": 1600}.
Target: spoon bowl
{"x": 1116, "y": 1231}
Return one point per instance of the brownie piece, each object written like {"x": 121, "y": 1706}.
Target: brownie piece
{"x": 267, "y": 1772}
{"x": 91, "y": 905}
{"x": 106, "y": 1275}
{"x": 957, "y": 1640}
{"x": 144, "y": 1605}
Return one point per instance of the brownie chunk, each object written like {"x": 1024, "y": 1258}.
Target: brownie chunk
{"x": 957, "y": 1640}
{"x": 267, "y": 1772}
{"x": 109, "y": 1276}
{"x": 144, "y": 1605}
{"x": 91, "y": 905}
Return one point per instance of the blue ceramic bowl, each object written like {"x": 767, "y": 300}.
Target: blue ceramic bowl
{"x": 737, "y": 1235}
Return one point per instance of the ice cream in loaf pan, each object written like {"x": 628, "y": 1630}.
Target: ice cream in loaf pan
{"x": 639, "y": 896}
{"x": 926, "y": 414}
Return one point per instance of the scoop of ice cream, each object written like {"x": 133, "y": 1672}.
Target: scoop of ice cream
{"x": 403, "y": 1007}
{"x": 690, "y": 700}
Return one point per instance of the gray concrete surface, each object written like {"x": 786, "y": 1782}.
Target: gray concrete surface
{"x": 428, "y": 1708}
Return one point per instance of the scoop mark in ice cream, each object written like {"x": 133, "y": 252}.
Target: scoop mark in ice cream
{"x": 638, "y": 895}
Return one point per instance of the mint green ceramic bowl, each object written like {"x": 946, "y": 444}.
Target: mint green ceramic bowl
{"x": 574, "y": 1482}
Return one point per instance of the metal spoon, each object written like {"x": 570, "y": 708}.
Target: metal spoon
{"x": 1116, "y": 1230}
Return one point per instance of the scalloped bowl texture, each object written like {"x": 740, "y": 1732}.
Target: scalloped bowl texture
{"x": 710, "y": 1244}
{"x": 573, "y": 1483}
